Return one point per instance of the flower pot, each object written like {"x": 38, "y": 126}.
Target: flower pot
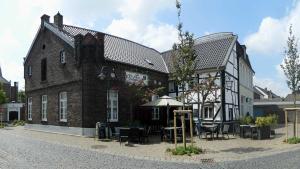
{"x": 263, "y": 132}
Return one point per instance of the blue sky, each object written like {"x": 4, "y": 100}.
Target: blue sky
{"x": 261, "y": 25}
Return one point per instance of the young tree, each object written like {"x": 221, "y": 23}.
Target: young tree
{"x": 184, "y": 60}
{"x": 291, "y": 66}
{"x": 21, "y": 96}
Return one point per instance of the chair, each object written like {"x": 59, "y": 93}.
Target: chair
{"x": 115, "y": 132}
{"x": 199, "y": 130}
{"x": 225, "y": 130}
{"x": 134, "y": 135}
{"x": 123, "y": 135}
{"x": 145, "y": 135}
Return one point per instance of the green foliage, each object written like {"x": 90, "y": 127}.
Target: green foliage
{"x": 291, "y": 65}
{"x": 3, "y": 98}
{"x": 184, "y": 55}
{"x": 293, "y": 140}
{"x": 180, "y": 150}
{"x": 247, "y": 120}
{"x": 18, "y": 123}
{"x": 266, "y": 121}
{"x": 2, "y": 125}
{"x": 21, "y": 96}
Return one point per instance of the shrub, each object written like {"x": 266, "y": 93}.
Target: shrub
{"x": 293, "y": 140}
{"x": 266, "y": 121}
{"x": 18, "y": 123}
{"x": 247, "y": 120}
{"x": 188, "y": 151}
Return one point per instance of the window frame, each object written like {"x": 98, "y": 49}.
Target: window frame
{"x": 209, "y": 112}
{"x": 111, "y": 115}
{"x": 29, "y": 108}
{"x": 62, "y": 54}
{"x": 44, "y": 69}
{"x": 44, "y": 107}
{"x": 155, "y": 115}
{"x": 29, "y": 70}
{"x": 63, "y": 107}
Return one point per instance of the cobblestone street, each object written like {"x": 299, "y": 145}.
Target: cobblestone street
{"x": 19, "y": 151}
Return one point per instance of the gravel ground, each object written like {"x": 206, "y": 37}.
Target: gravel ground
{"x": 18, "y": 152}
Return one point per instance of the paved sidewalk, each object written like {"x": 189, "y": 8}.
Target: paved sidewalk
{"x": 215, "y": 151}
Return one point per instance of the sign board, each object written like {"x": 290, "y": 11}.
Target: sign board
{"x": 136, "y": 78}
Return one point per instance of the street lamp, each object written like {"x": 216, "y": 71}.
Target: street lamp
{"x": 108, "y": 74}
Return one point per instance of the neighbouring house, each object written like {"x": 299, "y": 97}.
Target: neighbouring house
{"x": 13, "y": 109}
{"x": 65, "y": 94}
{"x": 246, "y": 74}
{"x": 267, "y": 102}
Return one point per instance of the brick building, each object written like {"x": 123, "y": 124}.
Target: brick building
{"x": 61, "y": 77}
{"x": 13, "y": 110}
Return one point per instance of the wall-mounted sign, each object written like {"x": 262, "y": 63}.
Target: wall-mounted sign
{"x": 136, "y": 78}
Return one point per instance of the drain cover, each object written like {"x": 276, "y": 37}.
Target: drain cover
{"x": 207, "y": 160}
{"x": 98, "y": 146}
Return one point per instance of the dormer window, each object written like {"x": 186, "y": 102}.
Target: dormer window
{"x": 149, "y": 62}
{"x": 62, "y": 57}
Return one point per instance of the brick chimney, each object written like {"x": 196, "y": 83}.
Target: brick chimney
{"x": 44, "y": 18}
{"x": 58, "y": 20}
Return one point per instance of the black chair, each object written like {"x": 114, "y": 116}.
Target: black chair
{"x": 199, "y": 130}
{"x": 115, "y": 132}
{"x": 134, "y": 135}
{"x": 225, "y": 130}
{"x": 124, "y": 133}
{"x": 145, "y": 135}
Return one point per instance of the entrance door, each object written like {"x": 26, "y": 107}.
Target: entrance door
{"x": 13, "y": 115}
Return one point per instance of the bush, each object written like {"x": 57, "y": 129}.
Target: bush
{"x": 188, "y": 151}
{"x": 266, "y": 121}
{"x": 247, "y": 120}
{"x": 18, "y": 123}
{"x": 293, "y": 140}
{"x": 2, "y": 126}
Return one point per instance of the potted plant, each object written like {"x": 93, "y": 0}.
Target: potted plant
{"x": 264, "y": 126}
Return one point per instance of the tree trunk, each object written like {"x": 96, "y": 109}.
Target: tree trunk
{"x": 295, "y": 95}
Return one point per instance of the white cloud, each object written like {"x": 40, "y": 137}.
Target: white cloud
{"x": 138, "y": 23}
{"x": 270, "y": 39}
{"x": 278, "y": 86}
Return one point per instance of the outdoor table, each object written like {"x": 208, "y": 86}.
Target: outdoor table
{"x": 141, "y": 129}
{"x": 170, "y": 132}
{"x": 212, "y": 128}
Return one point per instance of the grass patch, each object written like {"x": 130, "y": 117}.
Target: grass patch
{"x": 188, "y": 151}
{"x": 293, "y": 140}
{"x": 18, "y": 123}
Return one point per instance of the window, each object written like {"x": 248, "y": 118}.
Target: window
{"x": 208, "y": 112}
{"x": 171, "y": 87}
{"x": 230, "y": 112}
{"x": 63, "y": 106}
{"x": 29, "y": 108}
{"x": 44, "y": 108}
{"x": 44, "y": 69}
{"x": 155, "y": 113}
{"x": 29, "y": 71}
{"x": 112, "y": 106}
{"x": 62, "y": 57}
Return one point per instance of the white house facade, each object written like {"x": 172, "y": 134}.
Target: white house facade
{"x": 218, "y": 55}
{"x": 246, "y": 84}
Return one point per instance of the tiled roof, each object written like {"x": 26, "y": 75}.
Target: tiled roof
{"x": 123, "y": 50}
{"x": 212, "y": 51}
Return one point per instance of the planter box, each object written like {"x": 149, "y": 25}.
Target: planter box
{"x": 263, "y": 132}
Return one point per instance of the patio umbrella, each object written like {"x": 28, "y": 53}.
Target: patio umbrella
{"x": 164, "y": 101}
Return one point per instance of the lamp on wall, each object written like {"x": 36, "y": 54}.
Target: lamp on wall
{"x": 229, "y": 83}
